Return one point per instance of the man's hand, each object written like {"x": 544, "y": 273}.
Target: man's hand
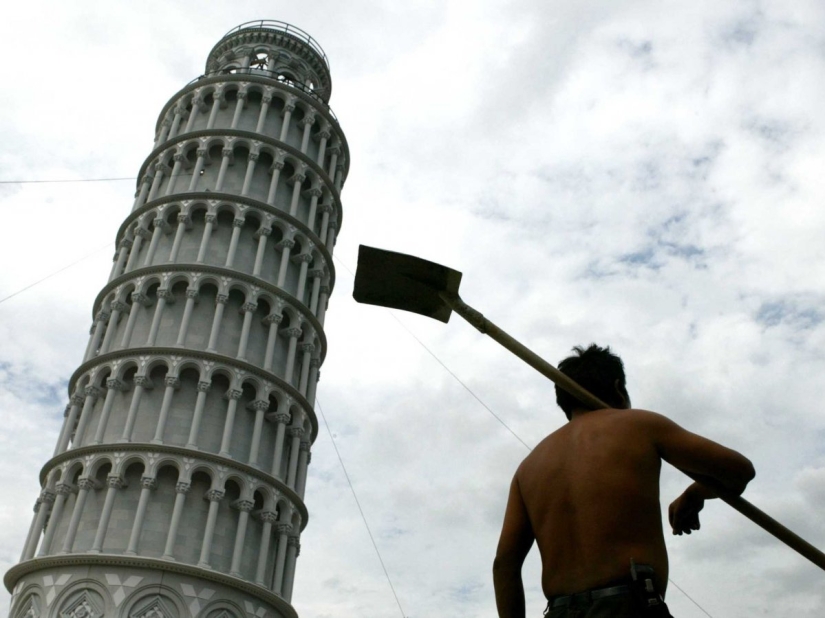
{"x": 683, "y": 512}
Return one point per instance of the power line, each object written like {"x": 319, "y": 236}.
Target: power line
{"x": 448, "y": 370}
{"x": 358, "y": 503}
{"x": 32, "y": 182}
{"x": 679, "y": 588}
{"x": 57, "y": 272}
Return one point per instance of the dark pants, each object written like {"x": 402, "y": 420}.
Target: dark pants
{"x": 619, "y": 606}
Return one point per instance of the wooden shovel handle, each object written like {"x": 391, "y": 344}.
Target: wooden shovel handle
{"x": 757, "y": 516}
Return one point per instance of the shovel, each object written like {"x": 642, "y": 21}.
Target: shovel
{"x": 399, "y": 281}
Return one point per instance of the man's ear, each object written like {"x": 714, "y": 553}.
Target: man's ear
{"x": 621, "y": 391}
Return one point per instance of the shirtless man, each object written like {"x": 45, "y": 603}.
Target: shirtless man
{"x": 588, "y": 494}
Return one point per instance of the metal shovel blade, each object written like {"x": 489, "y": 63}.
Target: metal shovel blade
{"x": 400, "y": 281}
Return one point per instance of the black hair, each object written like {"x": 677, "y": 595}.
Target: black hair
{"x": 596, "y": 370}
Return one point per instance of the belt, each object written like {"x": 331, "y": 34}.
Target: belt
{"x": 588, "y": 596}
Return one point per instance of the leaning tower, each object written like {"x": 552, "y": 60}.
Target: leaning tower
{"x": 176, "y": 486}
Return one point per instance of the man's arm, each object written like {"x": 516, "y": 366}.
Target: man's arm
{"x": 693, "y": 453}
{"x": 516, "y": 539}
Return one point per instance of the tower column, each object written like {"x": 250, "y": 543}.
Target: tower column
{"x": 220, "y": 304}
{"x": 272, "y": 320}
{"x": 304, "y": 259}
{"x": 306, "y": 351}
{"x": 196, "y": 173}
{"x": 145, "y": 183}
{"x": 233, "y": 394}
{"x": 237, "y": 224}
{"x": 122, "y": 253}
{"x": 276, "y": 168}
{"x": 138, "y": 300}
{"x": 84, "y": 486}
{"x": 250, "y": 170}
{"x": 191, "y": 299}
{"x": 294, "y": 449}
{"x": 92, "y": 393}
{"x": 283, "y": 530}
{"x": 304, "y": 457}
{"x": 97, "y": 334}
{"x": 62, "y": 490}
{"x": 181, "y": 489}
{"x": 288, "y": 109}
{"x": 147, "y": 484}
{"x": 160, "y": 227}
{"x": 141, "y": 383}
{"x": 68, "y": 426}
{"x": 172, "y": 384}
{"x": 42, "y": 507}
{"x": 314, "y": 374}
{"x": 248, "y": 310}
{"x": 244, "y": 507}
{"x": 140, "y": 234}
{"x": 207, "y": 232}
{"x": 260, "y": 407}
{"x": 281, "y": 418}
{"x": 293, "y": 334}
{"x": 297, "y": 181}
{"x": 164, "y": 297}
{"x": 262, "y": 234}
{"x": 117, "y": 309}
{"x": 203, "y": 389}
{"x": 112, "y": 386}
{"x": 115, "y": 482}
{"x": 239, "y": 105}
{"x": 197, "y": 102}
{"x": 214, "y": 496}
{"x": 184, "y": 222}
{"x": 173, "y": 178}
{"x": 316, "y": 274}
{"x": 265, "y": 101}
{"x": 269, "y": 518}
{"x": 225, "y": 159}
{"x": 292, "y": 553}
{"x": 285, "y": 245}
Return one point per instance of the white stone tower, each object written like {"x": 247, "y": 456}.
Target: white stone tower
{"x": 176, "y": 487}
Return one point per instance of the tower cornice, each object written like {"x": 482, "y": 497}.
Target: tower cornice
{"x": 222, "y": 198}
{"x": 206, "y": 80}
{"x": 221, "y": 272}
{"x": 144, "y": 447}
{"x": 228, "y": 361}
{"x": 251, "y": 136}
{"x": 22, "y": 569}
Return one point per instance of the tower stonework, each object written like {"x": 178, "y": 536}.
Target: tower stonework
{"x": 176, "y": 486}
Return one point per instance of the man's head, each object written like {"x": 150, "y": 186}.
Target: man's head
{"x": 597, "y": 370}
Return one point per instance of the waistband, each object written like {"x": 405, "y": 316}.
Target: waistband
{"x": 588, "y": 596}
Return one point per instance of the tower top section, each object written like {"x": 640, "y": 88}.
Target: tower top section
{"x": 273, "y": 49}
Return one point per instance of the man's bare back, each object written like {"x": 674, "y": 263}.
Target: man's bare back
{"x": 591, "y": 492}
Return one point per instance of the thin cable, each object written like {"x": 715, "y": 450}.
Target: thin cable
{"x": 357, "y": 502}
{"x": 32, "y": 182}
{"x": 57, "y": 272}
{"x": 467, "y": 388}
{"x": 679, "y": 588}
{"x": 448, "y": 370}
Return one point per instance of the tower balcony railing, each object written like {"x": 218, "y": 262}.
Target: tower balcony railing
{"x": 272, "y": 24}
{"x": 271, "y": 75}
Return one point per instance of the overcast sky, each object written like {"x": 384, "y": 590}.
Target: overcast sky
{"x": 644, "y": 174}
